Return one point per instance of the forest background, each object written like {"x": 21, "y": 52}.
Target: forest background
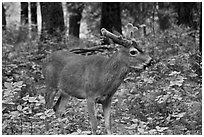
{"x": 165, "y": 99}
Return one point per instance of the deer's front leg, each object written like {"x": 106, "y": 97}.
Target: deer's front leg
{"x": 60, "y": 105}
{"x": 92, "y": 114}
{"x": 49, "y": 96}
{"x": 106, "y": 111}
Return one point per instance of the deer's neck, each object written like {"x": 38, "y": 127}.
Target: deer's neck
{"x": 113, "y": 74}
{"x": 116, "y": 66}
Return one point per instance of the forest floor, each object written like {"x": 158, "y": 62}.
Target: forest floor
{"x": 165, "y": 99}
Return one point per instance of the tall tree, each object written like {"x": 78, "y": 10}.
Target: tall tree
{"x": 3, "y": 17}
{"x": 33, "y": 6}
{"x": 23, "y": 30}
{"x": 164, "y": 22}
{"x": 52, "y": 20}
{"x": 75, "y": 14}
{"x": 111, "y": 16}
{"x": 185, "y": 12}
{"x": 200, "y": 32}
{"x": 24, "y": 13}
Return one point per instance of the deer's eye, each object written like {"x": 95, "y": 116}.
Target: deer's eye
{"x": 133, "y": 52}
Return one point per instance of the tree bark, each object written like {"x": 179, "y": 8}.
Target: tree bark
{"x": 164, "y": 22}
{"x": 24, "y": 13}
{"x": 75, "y": 10}
{"x": 3, "y": 18}
{"x": 200, "y": 33}
{"x": 52, "y": 21}
{"x": 111, "y": 16}
{"x": 185, "y": 13}
{"x": 34, "y": 16}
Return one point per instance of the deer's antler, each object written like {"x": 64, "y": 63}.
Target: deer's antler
{"x": 117, "y": 39}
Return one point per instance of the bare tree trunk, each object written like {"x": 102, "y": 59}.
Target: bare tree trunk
{"x": 200, "y": 33}
{"x": 34, "y": 16}
{"x": 185, "y": 13}
{"x": 164, "y": 22}
{"x": 24, "y": 13}
{"x": 153, "y": 16}
{"x": 23, "y": 33}
{"x": 75, "y": 10}
{"x": 52, "y": 21}
{"x": 111, "y": 16}
{"x": 3, "y": 18}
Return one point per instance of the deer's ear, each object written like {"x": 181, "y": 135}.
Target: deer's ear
{"x": 128, "y": 33}
{"x": 133, "y": 32}
{"x": 135, "y": 29}
{"x": 129, "y": 26}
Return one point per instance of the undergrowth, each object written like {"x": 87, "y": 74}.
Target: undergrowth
{"x": 164, "y": 99}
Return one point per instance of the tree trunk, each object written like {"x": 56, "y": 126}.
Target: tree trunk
{"x": 52, "y": 21}
{"x": 185, "y": 13}
{"x": 24, "y": 13}
{"x": 3, "y": 18}
{"x": 23, "y": 33}
{"x": 34, "y": 16}
{"x": 164, "y": 22}
{"x": 111, "y": 18}
{"x": 200, "y": 33}
{"x": 75, "y": 10}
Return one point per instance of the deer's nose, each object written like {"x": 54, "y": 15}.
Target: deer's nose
{"x": 150, "y": 63}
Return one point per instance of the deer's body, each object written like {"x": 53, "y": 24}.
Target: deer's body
{"x": 94, "y": 78}
{"x": 85, "y": 76}
{"x": 89, "y": 77}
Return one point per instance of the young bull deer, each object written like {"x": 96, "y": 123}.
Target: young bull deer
{"x": 94, "y": 78}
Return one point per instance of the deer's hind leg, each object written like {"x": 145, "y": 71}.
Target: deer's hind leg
{"x": 49, "y": 96}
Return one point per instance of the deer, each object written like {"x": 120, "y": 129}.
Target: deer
{"x": 94, "y": 78}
